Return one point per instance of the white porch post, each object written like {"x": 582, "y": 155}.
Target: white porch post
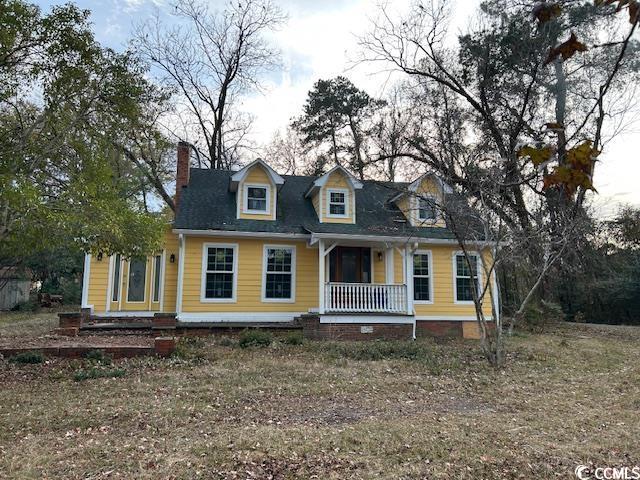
{"x": 408, "y": 277}
{"x": 321, "y": 279}
{"x": 389, "y": 266}
{"x": 86, "y": 272}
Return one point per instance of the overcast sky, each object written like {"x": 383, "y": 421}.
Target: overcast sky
{"x": 320, "y": 41}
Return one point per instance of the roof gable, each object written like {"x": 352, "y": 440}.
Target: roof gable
{"x": 240, "y": 175}
{"x": 321, "y": 181}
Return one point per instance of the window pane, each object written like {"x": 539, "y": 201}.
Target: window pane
{"x": 278, "y": 260}
{"x": 421, "y": 288}
{"x": 254, "y": 204}
{"x": 336, "y": 209}
{"x": 427, "y": 209}
{"x": 156, "y": 278}
{"x": 463, "y": 290}
{"x": 278, "y": 285}
{"x": 137, "y": 274}
{"x": 337, "y": 197}
{"x": 116, "y": 279}
{"x": 220, "y": 259}
{"x": 421, "y": 264}
{"x": 219, "y": 285}
{"x": 256, "y": 192}
{"x": 462, "y": 269}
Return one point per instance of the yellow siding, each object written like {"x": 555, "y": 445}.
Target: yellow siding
{"x": 257, "y": 175}
{"x": 170, "y": 272}
{"x": 315, "y": 199}
{"x": 379, "y": 272}
{"x": 443, "y": 290}
{"x": 338, "y": 180}
{"x": 98, "y": 281}
{"x": 398, "y": 267}
{"x": 249, "y": 283}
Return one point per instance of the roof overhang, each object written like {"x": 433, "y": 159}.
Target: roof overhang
{"x": 240, "y": 175}
{"x": 320, "y": 182}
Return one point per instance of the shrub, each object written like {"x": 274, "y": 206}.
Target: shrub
{"x": 539, "y": 316}
{"x": 226, "y": 342}
{"x": 293, "y": 338}
{"x": 98, "y": 356}
{"x": 27, "y": 357}
{"x": 95, "y": 372}
{"x": 30, "y": 305}
{"x": 190, "y": 348}
{"x": 255, "y": 338}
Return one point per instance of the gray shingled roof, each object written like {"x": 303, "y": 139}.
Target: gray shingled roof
{"x": 207, "y": 204}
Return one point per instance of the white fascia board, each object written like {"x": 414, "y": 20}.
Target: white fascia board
{"x": 367, "y": 319}
{"x": 234, "y": 233}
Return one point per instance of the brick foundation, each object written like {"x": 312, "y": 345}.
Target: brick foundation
{"x": 124, "y": 351}
{"x": 431, "y": 328}
{"x": 164, "y": 321}
{"x": 312, "y": 329}
{"x": 164, "y": 346}
{"x": 69, "y": 319}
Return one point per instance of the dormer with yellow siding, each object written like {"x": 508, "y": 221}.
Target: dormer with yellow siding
{"x": 334, "y": 196}
{"x": 256, "y": 187}
{"x": 421, "y": 202}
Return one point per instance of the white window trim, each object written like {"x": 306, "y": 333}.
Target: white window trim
{"x": 203, "y": 276}
{"x": 454, "y": 274}
{"x": 430, "y": 255}
{"x": 264, "y": 298}
{"x": 245, "y": 202}
{"x": 112, "y": 278}
{"x": 344, "y": 191}
{"x": 146, "y": 267}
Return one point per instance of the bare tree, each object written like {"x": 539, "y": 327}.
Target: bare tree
{"x": 210, "y": 59}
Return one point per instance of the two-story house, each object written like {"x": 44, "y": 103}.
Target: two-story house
{"x": 348, "y": 258}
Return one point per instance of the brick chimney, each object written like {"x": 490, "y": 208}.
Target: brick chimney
{"x": 182, "y": 170}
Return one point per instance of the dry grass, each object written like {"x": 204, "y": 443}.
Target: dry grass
{"x": 308, "y": 411}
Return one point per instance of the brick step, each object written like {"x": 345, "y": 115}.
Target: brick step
{"x": 116, "y": 326}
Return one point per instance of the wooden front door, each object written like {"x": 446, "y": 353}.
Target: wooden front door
{"x": 350, "y": 265}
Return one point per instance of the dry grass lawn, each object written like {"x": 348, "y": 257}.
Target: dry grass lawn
{"x": 326, "y": 410}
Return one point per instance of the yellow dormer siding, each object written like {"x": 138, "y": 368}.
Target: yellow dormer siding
{"x": 427, "y": 187}
{"x": 337, "y": 183}
{"x": 333, "y": 196}
{"x": 257, "y": 178}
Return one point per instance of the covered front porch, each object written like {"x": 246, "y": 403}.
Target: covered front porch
{"x": 364, "y": 276}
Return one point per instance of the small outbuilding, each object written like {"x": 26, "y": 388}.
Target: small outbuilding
{"x": 14, "y": 287}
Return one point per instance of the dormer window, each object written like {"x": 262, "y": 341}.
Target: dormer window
{"x": 426, "y": 209}
{"x": 337, "y": 203}
{"x": 256, "y": 199}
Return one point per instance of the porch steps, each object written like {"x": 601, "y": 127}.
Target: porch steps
{"x": 116, "y": 326}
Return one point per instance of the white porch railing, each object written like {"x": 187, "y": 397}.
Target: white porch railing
{"x": 365, "y": 298}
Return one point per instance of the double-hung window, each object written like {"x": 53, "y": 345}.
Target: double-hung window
{"x": 279, "y": 273}
{"x": 219, "y": 273}
{"x": 426, "y": 209}
{"x": 422, "y": 277}
{"x": 466, "y": 277}
{"x": 256, "y": 199}
{"x": 337, "y": 203}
